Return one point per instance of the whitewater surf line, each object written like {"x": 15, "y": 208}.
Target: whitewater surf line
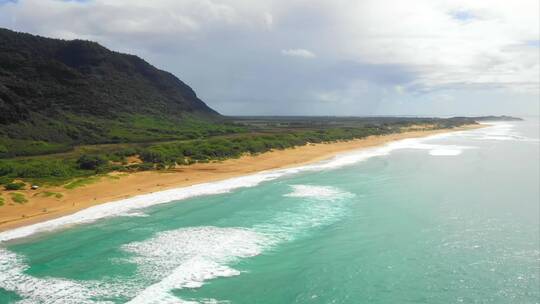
{"x": 129, "y": 205}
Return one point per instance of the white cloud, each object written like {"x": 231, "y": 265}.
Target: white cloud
{"x": 487, "y": 49}
{"x": 268, "y": 20}
{"x": 298, "y": 53}
{"x": 227, "y": 48}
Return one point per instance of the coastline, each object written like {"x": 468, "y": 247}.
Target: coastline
{"x": 121, "y": 186}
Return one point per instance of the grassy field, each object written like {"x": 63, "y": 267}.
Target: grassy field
{"x": 18, "y": 198}
{"x": 50, "y": 194}
{"x": 80, "y": 182}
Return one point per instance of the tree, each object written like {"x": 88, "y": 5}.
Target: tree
{"x": 3, "y": 149}
{"x": 91, "y": 162}
{"x": 15, "y": 186}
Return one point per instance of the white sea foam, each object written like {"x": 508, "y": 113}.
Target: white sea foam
{"x": 186, "y": 258}
{"x": 318, "y": 206}
{"x": 317, "y": 192}
{"x": 39, "y": 290}
{"x": 193, "y": 254}
{"x": 135, "y": 214}
{"x": 494, "y": 131}
{"x": 434, "y": 149}
{"x": 130, "y": 205}
{"x": 499, "y": 131}
{"x": 182, "y": 258}
{"x": 445, "y": 152}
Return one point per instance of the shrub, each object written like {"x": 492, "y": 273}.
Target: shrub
{"x": 141, "y": 167}
{"x": 5, "y": 168}
{"x": 146, "y": 166}
{"x": 18, "y": 198}
{"x": 15, "y": 186}
{"x": 3, "y": 150}
{"x": 42, "y": 168}
{"x": 5, "y": 180}
{"x": 116, "y": 168}
{"x": 182, "y": 161}
{"x": 91, "y": 162}
{"x": 127, "y": 152}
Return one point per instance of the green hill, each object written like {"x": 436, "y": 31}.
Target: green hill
{"x": 56, "y": 93}
{"x": 115, "y": 112}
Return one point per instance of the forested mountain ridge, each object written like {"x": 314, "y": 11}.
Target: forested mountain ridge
{"x": 60, "y": 91}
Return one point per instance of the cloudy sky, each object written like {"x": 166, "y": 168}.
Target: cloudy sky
{"x": 315, "y": 57}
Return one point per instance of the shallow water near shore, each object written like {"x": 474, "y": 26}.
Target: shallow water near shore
{"x": 449, "y": 219}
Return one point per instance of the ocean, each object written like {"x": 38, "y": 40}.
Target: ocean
{"x": 452, "y": 218}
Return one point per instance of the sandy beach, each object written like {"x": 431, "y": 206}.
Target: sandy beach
{"x": 115, "y": 186}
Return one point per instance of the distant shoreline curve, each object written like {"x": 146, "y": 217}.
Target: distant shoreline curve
{"x": 40, "y": 209}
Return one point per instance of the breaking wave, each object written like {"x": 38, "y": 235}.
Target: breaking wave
{"x": 194, "y": 255}
{"x": 318, "y": 192}
{"x": 132, "y": 206}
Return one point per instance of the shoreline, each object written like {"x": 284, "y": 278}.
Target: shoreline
{"x": 119, "y": 186}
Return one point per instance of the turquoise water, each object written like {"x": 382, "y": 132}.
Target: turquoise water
{"x": 450, "y": 219}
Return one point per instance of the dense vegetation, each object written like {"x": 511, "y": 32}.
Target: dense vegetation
{"x": 55, "y": 94}
{"x": 185, "y": 152}
{"x": 222, "y": 148}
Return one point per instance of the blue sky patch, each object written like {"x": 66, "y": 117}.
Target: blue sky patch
{"x": 533, "y": 43}
{"x": 463, "y": 15}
